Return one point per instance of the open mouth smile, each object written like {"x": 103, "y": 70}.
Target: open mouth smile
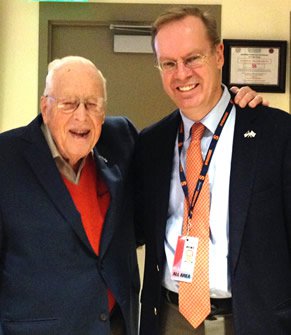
{"x": 187, "y": 88}
{"x": 80, "y": 133}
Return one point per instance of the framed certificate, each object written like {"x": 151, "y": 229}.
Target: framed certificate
{"x": 260, "y": 64}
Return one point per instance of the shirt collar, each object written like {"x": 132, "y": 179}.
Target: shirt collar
{"x": 48, "y": 136}
{"x": 211, "y": 120}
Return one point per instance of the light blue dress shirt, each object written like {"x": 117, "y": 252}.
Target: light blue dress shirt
{"x": 219, "y": 174}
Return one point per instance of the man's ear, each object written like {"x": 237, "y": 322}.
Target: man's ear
{"x": 220, "y": 55}
{"x": 43, "y": 108}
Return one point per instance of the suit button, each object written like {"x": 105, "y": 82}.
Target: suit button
{"x": 158, "y": 269}
{"x": 155, "y": 311}
{"x": 103, "y": 317}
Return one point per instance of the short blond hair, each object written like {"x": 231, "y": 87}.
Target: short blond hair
{"x": 180, "y": 12}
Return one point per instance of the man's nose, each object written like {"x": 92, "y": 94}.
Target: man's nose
{"x": 80, "y": 112}
{"x": 182, "y": 71}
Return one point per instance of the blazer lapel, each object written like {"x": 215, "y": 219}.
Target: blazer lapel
{"x": 39, "y": 157}
{"x": 112, "y": 177}
{"x": 243, "y": 167}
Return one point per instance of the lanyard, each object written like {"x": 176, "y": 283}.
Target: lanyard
{"x": 205, "y": 165}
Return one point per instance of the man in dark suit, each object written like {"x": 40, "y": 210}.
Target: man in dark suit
{"x": 68, "y": 253}
{"x": 248, "y": 276}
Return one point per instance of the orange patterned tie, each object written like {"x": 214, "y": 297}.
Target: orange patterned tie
{"x": 194, "y": 297}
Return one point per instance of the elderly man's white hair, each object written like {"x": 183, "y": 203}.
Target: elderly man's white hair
{"x": 58, "y": 63}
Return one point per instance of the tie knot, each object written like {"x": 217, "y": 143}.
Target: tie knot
{"x": 197, "y": 131}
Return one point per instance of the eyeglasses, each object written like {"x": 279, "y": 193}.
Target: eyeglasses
{"x": 191, "y": 62}
{"x": 68, "y": 105}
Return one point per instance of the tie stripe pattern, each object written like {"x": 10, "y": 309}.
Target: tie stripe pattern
{"x": 194, "y": 297}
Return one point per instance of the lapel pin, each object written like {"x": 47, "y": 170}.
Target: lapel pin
{"x": 250, "y": 134}
{"x": 103, "y": 158}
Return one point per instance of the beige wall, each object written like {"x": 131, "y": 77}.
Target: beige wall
{"x": 241, "y": 19}
{"x": 18, "y": 62}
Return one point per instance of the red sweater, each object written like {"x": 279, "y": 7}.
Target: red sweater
{"x": 92, "y": 199}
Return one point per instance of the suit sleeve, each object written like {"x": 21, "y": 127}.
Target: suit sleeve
{"x": 1, "y": 233}
{"x": 287, "y": 189}
{"x": 1, "y": 246}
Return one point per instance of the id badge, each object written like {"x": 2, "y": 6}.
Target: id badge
{"x": 184, "y": 259}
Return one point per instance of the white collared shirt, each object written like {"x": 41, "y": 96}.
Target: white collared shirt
{"x": 219, "y": 174}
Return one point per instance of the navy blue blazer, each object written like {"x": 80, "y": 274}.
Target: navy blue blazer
{"x": 259, "y": 219}
{"x": 51, "y": 281}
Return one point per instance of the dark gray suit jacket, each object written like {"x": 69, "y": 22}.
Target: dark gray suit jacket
{"x": 51, "y": 282}
{"x": 259, "y": 216}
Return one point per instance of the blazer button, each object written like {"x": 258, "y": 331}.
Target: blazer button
{"x": 158, "y": 269}
{"x": 103, "y": 317}
{"x": 155, "y": 311}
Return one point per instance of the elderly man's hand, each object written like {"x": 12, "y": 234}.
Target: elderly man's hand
{"x": 246, "y": 96}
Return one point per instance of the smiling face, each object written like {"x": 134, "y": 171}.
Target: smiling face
{"x": 75, "y": 134}
{"x": 194, "y": 90}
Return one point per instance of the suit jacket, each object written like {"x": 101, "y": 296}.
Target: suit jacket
{"x": 259, "y": 219}
{"x": 51, "y": 281}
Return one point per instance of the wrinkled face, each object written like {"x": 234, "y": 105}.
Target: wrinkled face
{"x": 74, "y": 133}
{"x": 194, "y": 86}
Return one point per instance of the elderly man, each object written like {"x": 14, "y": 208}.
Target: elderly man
{"x": 68, "y": 258}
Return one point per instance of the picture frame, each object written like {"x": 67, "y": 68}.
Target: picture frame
{"x": 260, "y": 64}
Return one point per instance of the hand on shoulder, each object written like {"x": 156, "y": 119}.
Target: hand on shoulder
{"x": 246, "y": 96}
